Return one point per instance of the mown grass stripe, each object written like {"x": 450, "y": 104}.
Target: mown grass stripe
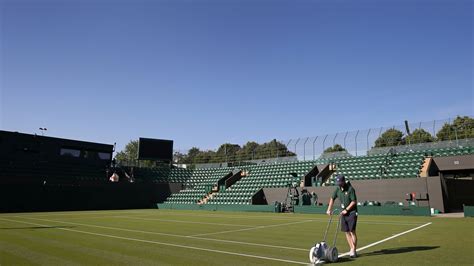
{"x": 167, "y": 244}
{"x": 171, "y": 235}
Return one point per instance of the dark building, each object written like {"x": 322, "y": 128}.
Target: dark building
{"x": 46, "y": 173}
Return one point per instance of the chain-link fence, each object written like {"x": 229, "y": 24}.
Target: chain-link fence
{"x": 361, "y": 142}
{"x": 410, "y": 136}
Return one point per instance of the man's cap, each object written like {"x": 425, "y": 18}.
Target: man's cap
{"x": 340, "y": 180}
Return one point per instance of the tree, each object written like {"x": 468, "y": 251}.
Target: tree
{"x": 335, "y": 148}
{"x": 232, "y": 153}
{"x": 190, "y": 156}
{"x": 248, "y": 151}
{"x": 178, "y": 157}
{"x": 419, "y": 135}
{"x": 129, "y": 155}
{"x": 204, "y": 157}
{"x": 391, "y": 137}
{"x": 272, "y": 149}
{"x": 460, "y": 128}
{"x": 226, "y": 152}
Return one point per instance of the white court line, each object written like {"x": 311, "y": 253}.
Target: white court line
{"x": 270, "y": 217}
{"x": 167, "y": 234}
{"x": 228, "y": 241}
{"x": 189, "y": 236}
{"x": 167, "y": 244}
{"x": 146, "y": 213}
{"x": 76, "y": 213}
{"x": 386, "y": 239}
{"x": 288, "y": 218}
{"x": 180, "y": 221}
{"x": 248, "y": 229}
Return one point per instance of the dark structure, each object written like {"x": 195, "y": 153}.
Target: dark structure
{"x": 40, "y": 173}
{"x": 155, "y": 149}
{"x": 446, "y": 185}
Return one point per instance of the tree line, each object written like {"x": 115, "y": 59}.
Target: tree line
{"x": 225, "y": 153}
{"x": 459, "y": 128}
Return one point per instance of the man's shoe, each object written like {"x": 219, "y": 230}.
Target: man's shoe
{"x": 353, "y": 254}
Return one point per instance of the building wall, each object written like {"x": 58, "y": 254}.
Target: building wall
{"x": 453, "y": 163}
{"x": 378, "y": 190}
{"x": 28, "y": 197}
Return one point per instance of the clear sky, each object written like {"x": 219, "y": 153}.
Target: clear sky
{"x": 208, "y": 72}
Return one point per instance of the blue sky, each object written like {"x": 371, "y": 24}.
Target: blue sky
{"x": 208, "y": 72}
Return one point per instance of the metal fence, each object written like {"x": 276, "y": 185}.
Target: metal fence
{"x": 356, "y": 143}
{"x": 360, "y": 142}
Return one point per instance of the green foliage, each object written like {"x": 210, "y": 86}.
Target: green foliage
{"x": 225, "y": 153}
{"x": 248, "y": 151}
{"x": 335, "y": 148}
{"x": 189, "y": 157}
{"x": 391, "y": 137}
{"x": 204, "y": 157}
{"x": 460, "y": 128}
{"x": 234, "y": 153}
{"x": 419, "y": 135}
{"x": 178, "y": 156}
{"x": 272, "y": 149}
{"x": 129, "y": 155}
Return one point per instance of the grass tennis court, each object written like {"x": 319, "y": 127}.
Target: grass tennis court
{"x": 145, "y": 237}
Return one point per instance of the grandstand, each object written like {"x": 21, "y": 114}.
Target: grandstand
{"x": 42, "y": 173}
{"x": 257, "y": 177}
{"x": 73, "y": 167}
{"x": 200, "y": 183}
{"x": 162, "y": 174}
{"x": 392, "y": 165}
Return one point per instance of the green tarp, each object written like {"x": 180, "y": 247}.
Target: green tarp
{"x": 468, "y": 211}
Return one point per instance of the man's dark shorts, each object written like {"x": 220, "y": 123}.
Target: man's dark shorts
{"x": 349, "y": 222}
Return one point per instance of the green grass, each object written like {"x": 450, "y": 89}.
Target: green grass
{"x": 145, "y": 237}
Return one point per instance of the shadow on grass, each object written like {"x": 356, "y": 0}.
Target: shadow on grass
{"x": 344, "y": 259}
{"x": 388, "y": 251}
{"x": 35, "y": 227}
{"x": 340, "y": 260}
{"x": 398, "y": 250}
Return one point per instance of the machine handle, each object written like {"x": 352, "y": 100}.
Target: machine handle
{"x": 329, "y": 224}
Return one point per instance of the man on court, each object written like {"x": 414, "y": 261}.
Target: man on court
{"x": 346, "y": 194}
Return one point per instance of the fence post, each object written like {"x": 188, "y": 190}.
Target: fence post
{"x": 324, "y": 143}
{"x": 276, "y": 148}
{"x": 368, "y": 133}
{"x": 456, "y": 135}
{"x": 288, "y": 144}
{"x": 298, "y": 140}
{"x": 304, "y": 149}
{"x": 345, "y": 136}
{"x": 357, "y": 134}
{"x": 225, "y": 153}
{"x": 449, "y": 129}
{"x": 380, "y": 132}
{"x": 334, "y": 139}
{"x": 314, "y": 152}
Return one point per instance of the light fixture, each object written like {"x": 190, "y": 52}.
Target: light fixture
{"x": 43, "y": 129}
